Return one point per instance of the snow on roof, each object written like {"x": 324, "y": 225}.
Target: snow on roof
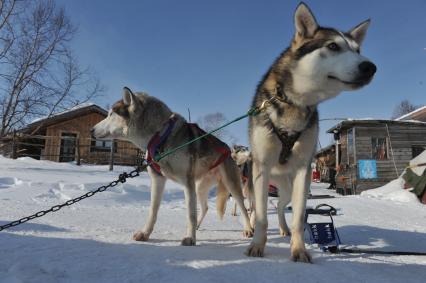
{"x": 79, "y": 106}
{"x": 411, "y": 113}
{"x": 350, "y": 122}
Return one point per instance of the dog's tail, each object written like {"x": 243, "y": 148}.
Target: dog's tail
{"x": 221, "y": 199}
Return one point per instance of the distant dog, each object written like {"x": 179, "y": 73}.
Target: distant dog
{"x": 150, "y": 124}
{"x": 242, "y": 157}
{"x": 319, "y": 64}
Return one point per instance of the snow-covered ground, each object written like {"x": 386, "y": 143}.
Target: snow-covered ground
{"x": 91, "y": 241}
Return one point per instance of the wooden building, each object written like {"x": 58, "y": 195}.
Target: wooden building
{"x": 374, "y": 152}
{"x": 325, "y": 161}
{"x": 418, "y": 115}
{"x": 66, "y": 136}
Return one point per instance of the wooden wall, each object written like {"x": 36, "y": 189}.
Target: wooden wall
{"x": 402, "y": 138}
{"x": 81, "y": 126}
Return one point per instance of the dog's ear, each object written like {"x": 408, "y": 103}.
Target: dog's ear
{"x": 358, "y": 33}
{"x": 128, "y": 96}
{"x": 304, "y": 21}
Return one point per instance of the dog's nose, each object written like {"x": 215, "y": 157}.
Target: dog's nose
{"x": 367, "y": 69}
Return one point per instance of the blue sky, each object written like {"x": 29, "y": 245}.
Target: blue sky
{"x": 208, "y": 56}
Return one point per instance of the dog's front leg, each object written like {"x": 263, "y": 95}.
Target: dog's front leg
{"x": 285, "y": 187}
{"x": 261, "y": 174}
{"x": 300, "y": 191}
{"x": 157, "y": 188}
{"x": 191, "y": 204}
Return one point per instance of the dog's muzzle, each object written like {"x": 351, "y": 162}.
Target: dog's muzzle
{"x": 366, "y": 70}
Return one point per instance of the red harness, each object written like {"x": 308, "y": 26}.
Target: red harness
{"x": 157, "y": 141}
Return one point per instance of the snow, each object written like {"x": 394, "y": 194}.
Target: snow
{"x": 394, "y": 190}
{"x": 91, "y": 240}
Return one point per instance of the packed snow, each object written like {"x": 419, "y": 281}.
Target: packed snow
{"x": 393, "y": 191}
{"x": 91, "y": 241}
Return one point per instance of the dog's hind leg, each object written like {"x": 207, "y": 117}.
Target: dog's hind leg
{"x": 234, "y": 207}
{"x": 191, "y": 204}
{"x": 202, "y": 189}
{"x": 231, "y": 179}
{"x": 157, "y": 187}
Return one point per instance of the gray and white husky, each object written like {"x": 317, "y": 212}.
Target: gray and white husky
{"x": 138, "y": 118}
{"x": 319, "y": 64}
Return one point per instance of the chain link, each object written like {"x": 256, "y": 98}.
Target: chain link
{"x": 122, "y": 178}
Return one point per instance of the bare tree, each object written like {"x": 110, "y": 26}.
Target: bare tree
{"x": 404, "y": 107}
{"x": 38, "y": 73}
{"x": 212, "y": 121}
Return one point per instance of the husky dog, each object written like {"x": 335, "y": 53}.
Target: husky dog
{"x": 140, "y": 119}
{"x": 319, "y": 64}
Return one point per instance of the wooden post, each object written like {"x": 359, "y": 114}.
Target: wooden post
{"x": 14, "y": 146}
{"x": 77, "y": 144}
{"x": 111, "y": 157}
{"x": 337, "y": 155}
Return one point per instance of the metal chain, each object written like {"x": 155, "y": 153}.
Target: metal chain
{"x": 122, "y": 178}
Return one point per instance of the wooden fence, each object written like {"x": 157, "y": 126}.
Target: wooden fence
{"x": 71, "y": 149}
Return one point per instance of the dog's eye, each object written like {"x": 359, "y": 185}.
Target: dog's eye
{"x": 333, "y": 46}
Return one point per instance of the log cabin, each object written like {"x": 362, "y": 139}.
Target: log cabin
{"x": 66, "y": 137}
{"x": 374, "y": 152}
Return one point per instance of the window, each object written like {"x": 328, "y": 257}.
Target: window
{"x": 379, "y": 148}
{"x": 68, "y": 144}
{"x": 417, "y": 149}
{"x": 102, "y": 146}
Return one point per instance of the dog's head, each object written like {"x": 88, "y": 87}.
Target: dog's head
{"x": 136, "y": 117}
{"x": 325, "y": 61}
{"x": 240, "y": 154}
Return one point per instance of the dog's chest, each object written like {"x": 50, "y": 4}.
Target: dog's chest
{"x": 288, "y": 126}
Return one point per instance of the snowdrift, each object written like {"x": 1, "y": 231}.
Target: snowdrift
{"x": 394, "y": 190}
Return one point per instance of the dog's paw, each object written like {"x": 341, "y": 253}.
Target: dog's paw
{"x": 285, "y": 232}
{"x": 234, "y": 213}
{"x": 301, "y": 255}
{"x": 248, "y": 233}
{"x": 255, "y": 250}
{"x": 188, "y": 241}
{"x": 141, "y": 236}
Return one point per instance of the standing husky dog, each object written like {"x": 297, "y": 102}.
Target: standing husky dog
{"x": 144, "y": 120}
{"x": 319, "y": 64}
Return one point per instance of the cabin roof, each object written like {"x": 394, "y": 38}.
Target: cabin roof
{"x": 330, "y": 148}
{"x": 346, "y": 124}
{"x": 412, "y": 114}
{"x": 69, "y": 114}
